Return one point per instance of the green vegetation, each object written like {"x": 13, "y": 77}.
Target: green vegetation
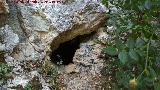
{"x": 135, "y": 51}
{"x": 4, "y": 70}
{"x": 28, "y": 87}
{"x": 49, "y": 69}
{"x": 4, "y": 73}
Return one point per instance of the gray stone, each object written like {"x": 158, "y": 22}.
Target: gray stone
{"x": 8, "y": 39}
{"x": 59, "y": 23}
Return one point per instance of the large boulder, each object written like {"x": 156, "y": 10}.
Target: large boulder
{"x": 58, "y": 23}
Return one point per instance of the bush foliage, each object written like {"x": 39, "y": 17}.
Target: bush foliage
{"x": 136, "y": 46}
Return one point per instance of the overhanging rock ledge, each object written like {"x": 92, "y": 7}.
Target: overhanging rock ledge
{"x": 60, "y": 23}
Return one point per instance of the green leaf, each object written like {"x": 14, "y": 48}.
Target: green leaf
{"x": 147, "y": 4}
{"x": 141, "y": 8}
{"x": 157, "y": 86}
{"x": 152, "y": 72}
{"x": 110, "y": 50}
{"x": 131, "y": 43}
{"x": 119, "y": 44}
{"x": 130, "y": 24}
{"x": 123, "y": 56}
{"x": 155, "y": 37}
{"x": 134, "y": 55}
{"x": 105, "y": 2}
{"x": 28, "y": 87}
{"x": 147, "y": 34}
{"x": 139, "y": 42}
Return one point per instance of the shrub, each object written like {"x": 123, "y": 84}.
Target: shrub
{"x": 136, "y": 46}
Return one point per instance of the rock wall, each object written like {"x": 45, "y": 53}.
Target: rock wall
{"x": 60, "y": 23}
{"x": 35, "y": 30}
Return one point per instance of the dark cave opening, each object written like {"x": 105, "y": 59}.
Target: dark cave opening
{"x": 64, "y": 54}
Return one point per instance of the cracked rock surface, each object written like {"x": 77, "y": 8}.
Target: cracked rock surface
{"x": 30, "y": 32}
{"x": 59, "y": 23}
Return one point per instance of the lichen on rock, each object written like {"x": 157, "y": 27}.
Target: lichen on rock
{"x": 8, "y": 39}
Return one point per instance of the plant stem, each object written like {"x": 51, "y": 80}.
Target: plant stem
{"x": 146, "y": 63}
{"x": 147, "y": 55}
{"x": 140, "y": 74}
{"x": 148, "y": 45}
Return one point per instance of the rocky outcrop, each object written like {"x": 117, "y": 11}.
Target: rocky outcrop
{"x": 3, "y": 7}
{"x": 60, "y": 23}
{"x": 39, "y": 30}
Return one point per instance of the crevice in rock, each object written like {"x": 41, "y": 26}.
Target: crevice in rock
{"x": 64, "y": 54}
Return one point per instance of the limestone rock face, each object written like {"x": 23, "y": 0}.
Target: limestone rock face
{"x": 8, "y": 39}
{"x": 3, "y": 7}
{"x": 59, "y": 23}
{"x": 35, "y": 30}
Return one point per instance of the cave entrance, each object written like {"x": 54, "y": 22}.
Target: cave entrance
{"x": 64, "y": 54}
